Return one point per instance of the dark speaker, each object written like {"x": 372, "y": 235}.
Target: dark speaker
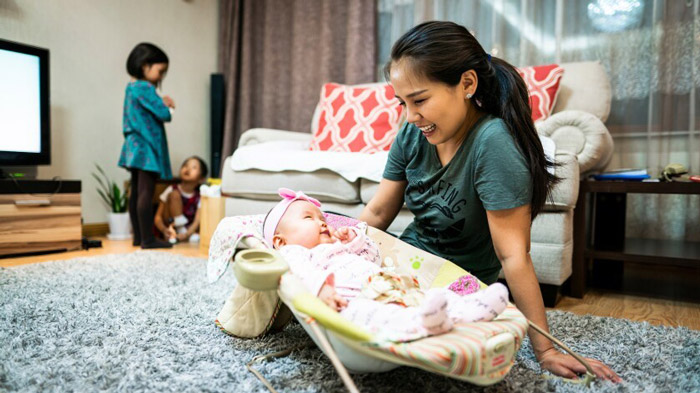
{"x": 218, "y": 102}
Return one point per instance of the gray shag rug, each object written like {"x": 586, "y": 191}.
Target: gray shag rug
{"x": 145, "y": 322}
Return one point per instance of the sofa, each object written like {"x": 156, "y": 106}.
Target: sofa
{"x": 267, "y": 159}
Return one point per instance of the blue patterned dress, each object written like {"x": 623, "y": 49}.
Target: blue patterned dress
{"x": 145, "y": 145}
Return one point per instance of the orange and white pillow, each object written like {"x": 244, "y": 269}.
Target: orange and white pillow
{"x": 543, "y": 84}
{"x": 360, "y": 119}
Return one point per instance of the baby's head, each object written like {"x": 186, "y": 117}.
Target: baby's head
{"x": 194, "y": 170}
{"x": 298, "y": 220}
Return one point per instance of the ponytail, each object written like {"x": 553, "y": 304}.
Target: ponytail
{"x": 506, "y": 96}
{"x": 443, "y": 51}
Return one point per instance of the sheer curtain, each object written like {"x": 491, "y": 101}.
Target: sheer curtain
{"x": 651, "y": 51}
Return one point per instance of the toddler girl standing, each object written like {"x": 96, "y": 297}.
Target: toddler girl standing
{"x": 145, "y": 151}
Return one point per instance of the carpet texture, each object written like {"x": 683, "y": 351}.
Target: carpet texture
{"x": 144, "y": 322}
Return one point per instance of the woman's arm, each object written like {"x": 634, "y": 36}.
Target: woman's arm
{"x": 385, "y": 204}
{"x": 510, "y": 232}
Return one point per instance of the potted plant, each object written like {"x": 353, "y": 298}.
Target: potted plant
{"x": 117, "y": 200}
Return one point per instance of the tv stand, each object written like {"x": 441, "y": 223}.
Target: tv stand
{"x": 18, "y": 172}
{"x": 39, "y": 216}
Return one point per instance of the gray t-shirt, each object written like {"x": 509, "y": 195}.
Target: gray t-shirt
{"x": 449, "y": 202}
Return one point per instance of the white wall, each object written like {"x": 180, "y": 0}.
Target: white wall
{"x": 89, "y": 41}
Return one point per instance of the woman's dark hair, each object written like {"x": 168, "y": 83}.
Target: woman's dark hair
{"x": 203, "y": 170}
{"x": 144, "y": 54}
{"x": 442, "y": 52}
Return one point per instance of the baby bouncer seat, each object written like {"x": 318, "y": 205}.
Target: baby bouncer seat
{"x": 481, "y": 353}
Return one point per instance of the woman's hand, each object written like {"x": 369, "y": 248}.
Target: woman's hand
{"x": 329, "y": 296}
{"x": 565, "y": 365}
{"x": 345, "y": 234}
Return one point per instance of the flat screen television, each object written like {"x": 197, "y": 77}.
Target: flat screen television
{"x": 25, "y": 126}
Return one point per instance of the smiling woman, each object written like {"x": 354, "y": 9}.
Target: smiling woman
{"x": 470, "y": 166}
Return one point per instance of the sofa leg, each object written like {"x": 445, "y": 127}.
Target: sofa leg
{"x": 550, "y": 294}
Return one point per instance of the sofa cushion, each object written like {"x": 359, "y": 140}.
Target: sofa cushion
{"x": 543, "y": 86}
{"x": 280, "y": 156}
{"x": 585, "y": 87}
{"x": 324, "y": 185}
{"x": 361, "y": 119}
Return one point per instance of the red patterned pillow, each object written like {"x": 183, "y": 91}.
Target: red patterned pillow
{"x": 543, "y": 84}
{"x": 362, "y": 118}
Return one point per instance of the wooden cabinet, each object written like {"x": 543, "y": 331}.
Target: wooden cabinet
{"x": 39, "y": 216}
{"x": 601, "y": 235}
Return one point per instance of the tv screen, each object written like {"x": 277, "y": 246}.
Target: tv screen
{"x": 24, "y": 105}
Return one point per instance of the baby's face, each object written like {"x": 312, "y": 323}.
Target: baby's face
{"x": 303, "y": 224}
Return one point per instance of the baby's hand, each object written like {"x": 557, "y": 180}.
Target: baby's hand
{"x": 345, "y": 234}
{"x": 168, "y": 102}
{"x": 329, "y": 296}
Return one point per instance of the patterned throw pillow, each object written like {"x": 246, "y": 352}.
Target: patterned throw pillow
{"x": 543, "y": 84}
{"x": 362, "y": 118}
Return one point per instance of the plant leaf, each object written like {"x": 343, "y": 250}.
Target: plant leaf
{"x": 104, "y": 197}
{"x": 105, "y": 189}
{"x": 117, "y": 197}
{"x": 125, "y": 202}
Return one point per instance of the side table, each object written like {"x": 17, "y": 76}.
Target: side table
{"x": 213, "y": 211}
{"x": 601, "y": 235}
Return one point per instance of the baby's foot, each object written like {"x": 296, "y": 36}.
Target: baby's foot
{"x": 433, "y": 312}
{"x": 483, "y": 305}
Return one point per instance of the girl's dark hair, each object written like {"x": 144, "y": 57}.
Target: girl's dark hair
{"x": 204, "y": 171}
{"x": 442, "y": 52}
{"x": 143, "y": 54}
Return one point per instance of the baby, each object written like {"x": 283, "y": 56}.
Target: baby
{"x": 337, "y": 265}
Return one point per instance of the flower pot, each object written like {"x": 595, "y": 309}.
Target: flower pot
{"x": 119, "y": 226}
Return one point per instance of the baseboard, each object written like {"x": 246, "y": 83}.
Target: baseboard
{"x": 96, "y": 229}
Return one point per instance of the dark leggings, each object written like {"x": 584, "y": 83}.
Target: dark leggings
{"x": 143, "y": 185}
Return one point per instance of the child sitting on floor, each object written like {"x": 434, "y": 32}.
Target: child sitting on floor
{"x": 337, "y": 266}
{"x": 177, "y": 218}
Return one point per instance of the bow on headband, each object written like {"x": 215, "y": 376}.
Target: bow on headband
{"x": 275, "y": 215}
{"x": 292, "y": 196}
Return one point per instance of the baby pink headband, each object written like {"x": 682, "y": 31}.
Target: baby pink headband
{"x": 275, "y": 215}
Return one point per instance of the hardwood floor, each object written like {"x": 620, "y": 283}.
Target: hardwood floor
{"x": 596, "y": 301}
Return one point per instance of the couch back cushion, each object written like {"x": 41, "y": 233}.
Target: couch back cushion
{"x": 585, "y": 87}
{"x": 543, "y": 85}
{"x": 361, "y": 118}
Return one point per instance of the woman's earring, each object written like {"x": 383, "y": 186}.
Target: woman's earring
{"x": 469, "y": 95}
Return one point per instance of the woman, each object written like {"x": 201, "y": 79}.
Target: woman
{"x": 471, "y": 168}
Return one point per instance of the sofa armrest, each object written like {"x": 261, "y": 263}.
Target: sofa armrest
{"x": 565, "y": 193}
{"x": 581, "y": 134}
{"x": 260, "y": 135}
